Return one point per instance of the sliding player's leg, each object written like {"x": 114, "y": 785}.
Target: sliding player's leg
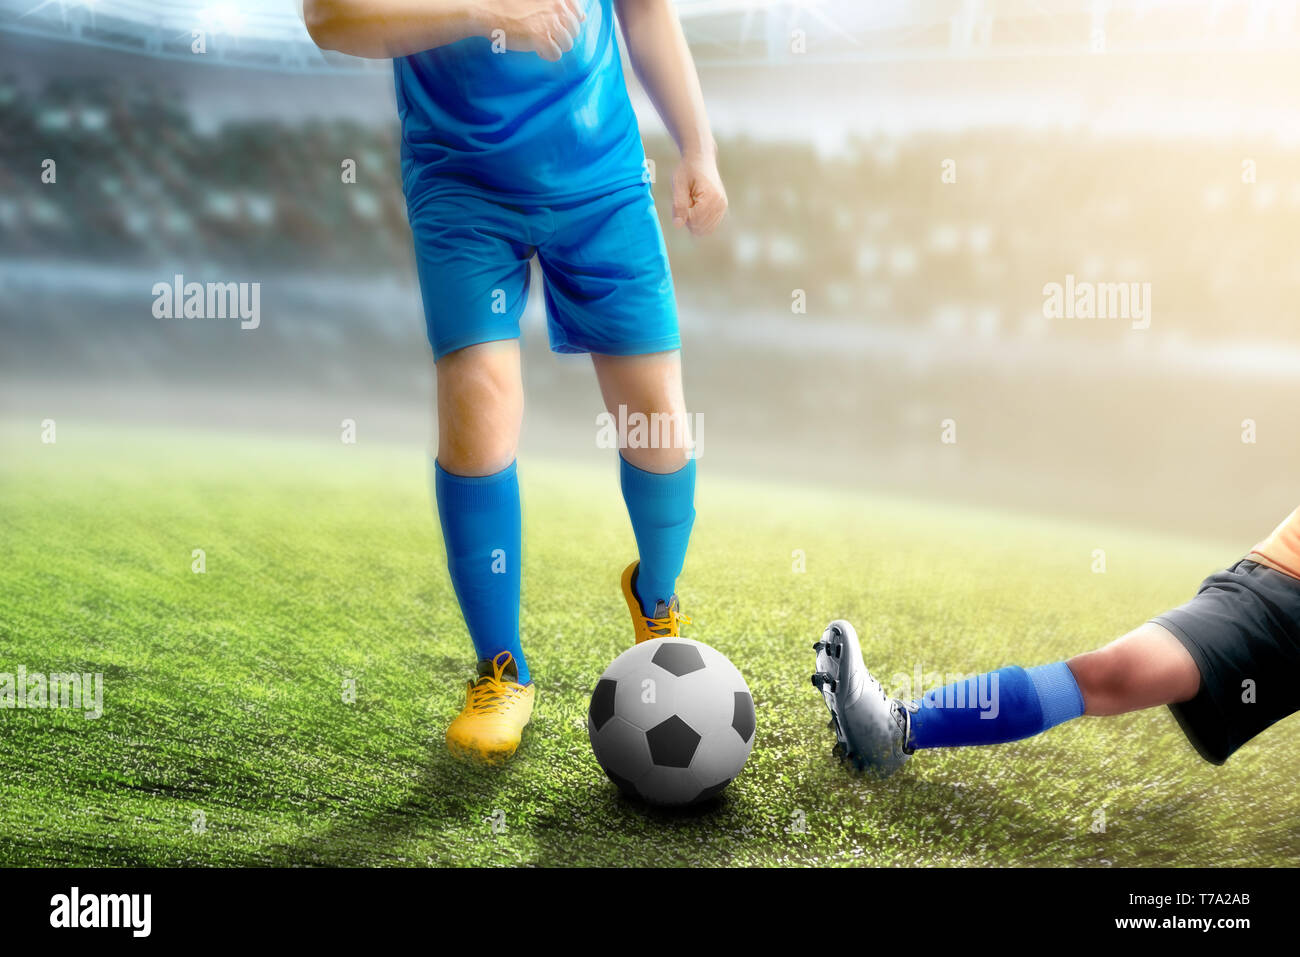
{"x": 480, "y": 409}
{"x": 1143, "y": 669}
{"x": 657, "y": 475}
{"x": 1227, "y": 663}
{"x": 1146, "y": 667}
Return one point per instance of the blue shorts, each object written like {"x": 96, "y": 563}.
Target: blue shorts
{"x": 608, "y": 286}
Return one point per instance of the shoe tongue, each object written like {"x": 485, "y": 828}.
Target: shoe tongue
{"x": 510, "y": 672}
{"x": 662, "y": 608}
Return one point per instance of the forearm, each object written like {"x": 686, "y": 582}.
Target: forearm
{"x": 662, "y": 62}
{"x": 391, "y": 28}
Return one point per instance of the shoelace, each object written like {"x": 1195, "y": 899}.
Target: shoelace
{"x": 656, "y": 626}
{"x": 493, "y": 693}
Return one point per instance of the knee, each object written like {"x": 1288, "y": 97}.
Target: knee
{"x": 660, "y": 460}
{"x": 659, "y": 436}
{"x": 644, "y": 395}
{"x": 480, "y": 408}
{"x": 1100, "y": 677}
{"x": 1108, "y": 678}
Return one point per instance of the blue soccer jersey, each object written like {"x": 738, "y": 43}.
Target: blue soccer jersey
{"x": 513, "y": 125}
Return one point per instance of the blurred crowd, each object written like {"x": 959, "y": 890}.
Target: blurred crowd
{"x": 954, "y": 233}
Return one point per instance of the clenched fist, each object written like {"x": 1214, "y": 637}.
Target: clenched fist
{"x": 699, "y": 200}
{"x": 545, "y": 27}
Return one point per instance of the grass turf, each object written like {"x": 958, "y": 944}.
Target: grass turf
{"x": 225, "y": 738}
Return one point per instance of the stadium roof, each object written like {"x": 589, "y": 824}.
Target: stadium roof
{"x": 269, "y": 33}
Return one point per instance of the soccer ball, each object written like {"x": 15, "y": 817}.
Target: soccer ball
{"x": 671, "y": 721}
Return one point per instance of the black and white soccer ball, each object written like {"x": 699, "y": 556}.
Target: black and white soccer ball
{"x": 671, "y": 721}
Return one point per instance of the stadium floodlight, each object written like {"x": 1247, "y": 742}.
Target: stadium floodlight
{"x": 226, "y": 17}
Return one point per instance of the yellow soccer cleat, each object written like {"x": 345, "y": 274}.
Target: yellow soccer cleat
{"x": 497, "y": 707}
{"x": 667, "y": 620}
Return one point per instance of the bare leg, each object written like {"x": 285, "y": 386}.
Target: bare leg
{"x": 1145, "y": 668}
{"x": 480, "y": 408}
{"x": 657, "y": 476}
{"x": 647, "y": 384}
{"x": 476, "y": 488}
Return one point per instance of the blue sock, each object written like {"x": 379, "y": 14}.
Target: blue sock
{"x": 481, "y": 528}
{"x": 1004, "y": 705}
{"x": 662, "y": 510}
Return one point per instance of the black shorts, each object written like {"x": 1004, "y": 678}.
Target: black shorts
{"x": 1243, "y": 630}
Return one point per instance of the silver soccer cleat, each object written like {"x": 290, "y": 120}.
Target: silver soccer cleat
{"x": 870, "y": 728}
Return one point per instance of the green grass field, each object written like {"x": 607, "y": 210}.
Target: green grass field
{"x": 225, "y": 738}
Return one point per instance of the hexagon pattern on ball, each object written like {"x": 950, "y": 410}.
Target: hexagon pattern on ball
{"x": 671, "y": 721}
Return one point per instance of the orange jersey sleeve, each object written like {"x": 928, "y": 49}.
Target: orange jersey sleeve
{"x": 1281, "y": 550}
